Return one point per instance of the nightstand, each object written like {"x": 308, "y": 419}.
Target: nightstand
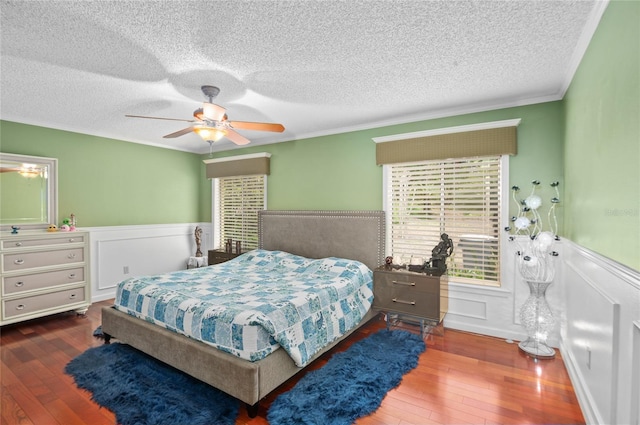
{"x": 217, "y": 257}
{"x": 418, "y": 296}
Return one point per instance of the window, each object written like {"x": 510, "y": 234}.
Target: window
{"x": 460, "y": 197}
{"x": 237, "y": 202}
{"x": 239, "y": 192}
{"x": 449, "y": 180}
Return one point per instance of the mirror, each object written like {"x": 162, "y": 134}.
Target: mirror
{"x": 28, "y": 191}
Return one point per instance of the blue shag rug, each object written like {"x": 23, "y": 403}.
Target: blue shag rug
{"x": 352, "y": 384}
{"x": 140, "y": 390}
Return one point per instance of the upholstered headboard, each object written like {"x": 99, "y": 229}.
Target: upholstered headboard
{"x": 356, "y": 235}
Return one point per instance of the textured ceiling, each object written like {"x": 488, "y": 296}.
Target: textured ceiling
{"x": 317, "y": 67}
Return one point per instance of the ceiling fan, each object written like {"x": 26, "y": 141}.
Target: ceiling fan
{"x": 211, "y": 122}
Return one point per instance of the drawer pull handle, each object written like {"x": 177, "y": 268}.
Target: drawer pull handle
{"x": 19, "y": 262}
{"x": 72, "y": 296}
{"x": 20, "y": 307}
{"x": 72, "y": 275}
{"x": 395, "y": 282}
{"x": 71, "y": 256}
{"x": 395, "y": 300}
{"x": 71, "y": 240}
{"x": 19, "y": 284}
{"x": 18, "y": 243}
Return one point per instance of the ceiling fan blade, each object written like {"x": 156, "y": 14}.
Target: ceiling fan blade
{"x": 158, "y": 118}
{"x": 258, "y": 126}
{"x": 236, "y": 138}
{"x": 179, "y": 133}
{"x": 212, "y": 111}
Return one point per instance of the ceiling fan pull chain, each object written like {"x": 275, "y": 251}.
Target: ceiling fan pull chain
{"x": 210, "y": 148}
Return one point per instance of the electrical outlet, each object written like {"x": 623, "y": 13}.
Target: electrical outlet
{"x": 125, "y": 269}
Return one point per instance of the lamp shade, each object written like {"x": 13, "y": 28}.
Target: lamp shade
{"x": 210, "y": 133}
{"x": 522, "y": 223}
{"x": 533, "y": 202}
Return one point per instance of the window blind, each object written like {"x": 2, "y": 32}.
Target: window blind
{"x": 459, "y": 197}
{"x": 240, "y": 199}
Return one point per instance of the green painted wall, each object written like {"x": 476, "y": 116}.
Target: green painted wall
{"x": 340, "y": 171}
{"x": 107, "y": 182}
{"x": 602, "y": 140}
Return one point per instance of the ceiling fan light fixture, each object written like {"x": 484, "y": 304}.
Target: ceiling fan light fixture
{"x": 210, "y": 133}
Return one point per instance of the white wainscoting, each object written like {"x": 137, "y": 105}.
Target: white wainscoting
{"x": 122, "y": 252}
{"x": 600, "y": 340}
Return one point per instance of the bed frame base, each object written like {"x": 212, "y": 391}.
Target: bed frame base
{"x": 247, "y": 381}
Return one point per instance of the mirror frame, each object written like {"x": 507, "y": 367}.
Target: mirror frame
{"x": 52, "y": 188}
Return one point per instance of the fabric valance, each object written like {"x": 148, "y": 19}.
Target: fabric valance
{"x": 460, "y": 144}
{"x": 241, "y": 165}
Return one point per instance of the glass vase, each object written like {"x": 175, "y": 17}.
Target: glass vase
{"x": 537, "y": 318}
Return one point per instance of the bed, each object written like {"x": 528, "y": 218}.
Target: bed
{"x": 354, "y": 235}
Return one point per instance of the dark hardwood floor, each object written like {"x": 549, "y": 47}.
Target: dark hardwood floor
{"x": 462, "y": 378}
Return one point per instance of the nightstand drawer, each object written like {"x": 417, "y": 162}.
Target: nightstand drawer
{"x": 408, "y": 281}
{"x": 419, "y": 304}
{"x": 217, "y": 257}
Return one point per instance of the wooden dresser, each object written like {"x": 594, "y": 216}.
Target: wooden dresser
{"x": 417, "y": 295}
{"x": 43, "y": 273}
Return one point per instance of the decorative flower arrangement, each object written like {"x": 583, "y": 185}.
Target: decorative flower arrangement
{"x": 535, "y": 254}
{"x": 535, "y": 257}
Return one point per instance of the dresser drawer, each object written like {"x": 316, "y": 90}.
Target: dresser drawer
{"x": 30, "y": 243}
{"x": 35, "y": 281}
{"x": 28, "y": 305}
{"x": 29, "y": 260}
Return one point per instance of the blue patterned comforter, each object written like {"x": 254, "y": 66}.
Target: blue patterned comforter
{"x": 256, "y": 303}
